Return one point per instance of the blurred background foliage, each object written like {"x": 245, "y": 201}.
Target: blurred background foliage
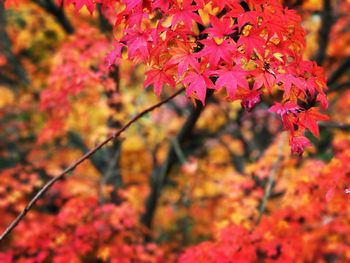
{"x": 180, "y": 176}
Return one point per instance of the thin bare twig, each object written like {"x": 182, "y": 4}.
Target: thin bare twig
{"x": 334, "y": 125}
{"x": 111, "y": 172}
{"x": 271, "y": 179}
{"x": 72, "y": 167}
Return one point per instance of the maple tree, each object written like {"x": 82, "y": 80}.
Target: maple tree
{"x": 223, "y": 187}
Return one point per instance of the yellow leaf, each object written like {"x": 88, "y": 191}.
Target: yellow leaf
{"x": 206, "y": 11}
{"x": 6, "y": 97}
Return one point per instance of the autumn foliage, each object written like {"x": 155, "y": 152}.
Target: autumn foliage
{"x": 251, "y": 164}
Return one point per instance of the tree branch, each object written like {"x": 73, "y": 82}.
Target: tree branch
{"x": 339, "y": 87}
{"x": 12, "y": 72}
{"x": 344, "y": 66}
{"x": 72, "y": 167}
{"x": 324, "y": 32}
{"x": 334, "y": 125}
{"x": 160, "y": 173}
{"x": 58, "y": 12}
{"x": 105, "y": 26}
{"x": 179, "y": 153}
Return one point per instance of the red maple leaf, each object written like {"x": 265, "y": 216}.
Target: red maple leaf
{"x": 309, "y": 119}
{"x": 183, "y": 57}
{"x": 245, "y": 18}
{"x": 220, "y": 28}
{"x": 158, "y": 77}
{"x": 322, "y": 98}
{"x": 253, "y": 42}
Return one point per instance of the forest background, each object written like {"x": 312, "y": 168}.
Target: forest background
{"x": 198, "y": 179}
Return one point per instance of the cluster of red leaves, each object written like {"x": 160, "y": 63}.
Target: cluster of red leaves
{"x": 83, "y": 229}
{"x": 307, "y": 226}
{"x": 251, "y": 48}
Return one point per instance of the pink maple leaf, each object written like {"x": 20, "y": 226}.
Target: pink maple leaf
{"x": 231, "y": 79}
{"x": 137, "y": 42}
{"x": 288, "y": 80}
{"x": 288, "y": 112}
{"x": 299, "y": 143}
{"x": 183, "y": 57}
{"x": 115, "y": 54}
{"x": 214, "y": 51}
{"x": 282, "y": 109}
{"x": 161, "y": 4}
{"x": 250, "y": 99}
{"x": 131, "y": 4}
{"x": 264, "y": 79}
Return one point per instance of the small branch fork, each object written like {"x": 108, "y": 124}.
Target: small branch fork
{"x": 72, "y": 167}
